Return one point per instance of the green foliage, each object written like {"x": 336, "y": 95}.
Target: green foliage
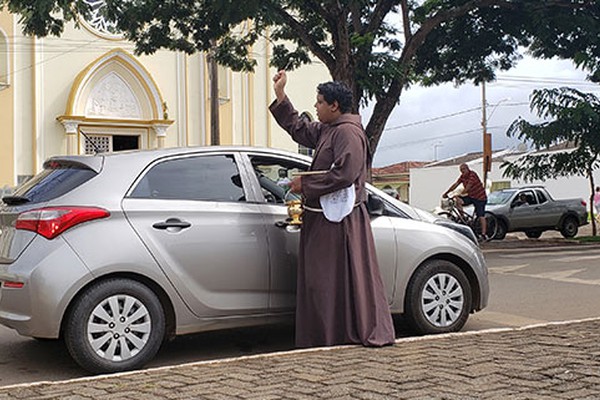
{"x": 571, "y": 117}
{"x": 378, "y": 47}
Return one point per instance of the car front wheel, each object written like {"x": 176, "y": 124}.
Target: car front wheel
{"x": 438, "y": 298}
{"x": 115, "y": 325}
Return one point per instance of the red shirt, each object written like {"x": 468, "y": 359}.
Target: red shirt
{"x": 475, "y": 188}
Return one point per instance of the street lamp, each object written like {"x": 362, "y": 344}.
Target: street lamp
{"x": 435, "y": 147}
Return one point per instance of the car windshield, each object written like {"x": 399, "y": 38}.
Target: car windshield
{"x": 500, "y": 197}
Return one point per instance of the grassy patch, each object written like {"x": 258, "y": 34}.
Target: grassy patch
{"x": 588, "y": 239}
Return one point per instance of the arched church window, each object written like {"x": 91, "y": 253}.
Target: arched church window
{"x": 97, "y": 22}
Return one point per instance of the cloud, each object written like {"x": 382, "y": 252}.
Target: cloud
{"x": 445, "y": 121}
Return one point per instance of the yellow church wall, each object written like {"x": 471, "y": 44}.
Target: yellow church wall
{"x": 7, "y": 139}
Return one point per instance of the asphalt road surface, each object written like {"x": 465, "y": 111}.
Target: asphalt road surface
{"x": 527, "y": 287}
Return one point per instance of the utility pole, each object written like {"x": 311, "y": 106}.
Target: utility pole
{"x": 487, "y": 138}
{"x": 213, "y": 75}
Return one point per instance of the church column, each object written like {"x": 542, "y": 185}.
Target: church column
{"x": 161, "y": 134}
{"x": 71, "y": 129}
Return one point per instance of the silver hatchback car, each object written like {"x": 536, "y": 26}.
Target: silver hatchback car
{"x": 114, "y": 253}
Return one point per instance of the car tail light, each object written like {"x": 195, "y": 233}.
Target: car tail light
{"x": 12, "y": 285}
{"x": 583, "y": 203}
{"x": 52, "y": 221}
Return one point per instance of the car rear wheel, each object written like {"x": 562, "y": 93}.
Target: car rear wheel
{"x": 533, "y": 234}
{"x": 569, "y": 227}
{"x": 115, "y": 325}
{"x": 438, "y": 298}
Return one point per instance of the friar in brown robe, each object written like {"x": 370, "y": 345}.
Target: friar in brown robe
{"x": 340, "y": 295}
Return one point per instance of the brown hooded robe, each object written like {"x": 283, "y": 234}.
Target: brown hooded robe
{"x": 340, "y": 295}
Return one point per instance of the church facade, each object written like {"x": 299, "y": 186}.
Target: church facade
{"x": 87, "y": 91}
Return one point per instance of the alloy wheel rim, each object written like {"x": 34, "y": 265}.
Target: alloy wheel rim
{"x": 442, "y": 300}
{"x": 119, "y": 328}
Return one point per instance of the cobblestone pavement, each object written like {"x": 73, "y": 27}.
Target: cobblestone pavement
{"x": 553, "y": 361}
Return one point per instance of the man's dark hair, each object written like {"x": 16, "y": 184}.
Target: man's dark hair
{"x": 336, "y": 91}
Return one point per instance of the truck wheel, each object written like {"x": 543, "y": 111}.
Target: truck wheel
{"x": 569, "y": 227}
{"x": 438, "y": 298}
{"x": 115, "y": 325}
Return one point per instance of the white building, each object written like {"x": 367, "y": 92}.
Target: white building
{"x": 427, "y": 184}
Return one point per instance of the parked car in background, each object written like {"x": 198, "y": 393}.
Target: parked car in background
{"x": 114, "y": 253}
{"x": 532, "y": 210}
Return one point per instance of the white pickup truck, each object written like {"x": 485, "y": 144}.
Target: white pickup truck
{"x": 532, "y": 210}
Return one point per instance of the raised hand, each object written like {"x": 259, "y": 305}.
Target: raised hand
{"x": 279, "y": 80}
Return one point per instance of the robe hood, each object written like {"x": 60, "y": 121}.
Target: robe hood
{"x": 348, "y": 118}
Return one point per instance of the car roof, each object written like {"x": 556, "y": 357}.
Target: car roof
{"x": 96, "y": 161}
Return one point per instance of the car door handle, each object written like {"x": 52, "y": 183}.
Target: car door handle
{"x": 172, "y": 223}
{"x": 287, "y": 226}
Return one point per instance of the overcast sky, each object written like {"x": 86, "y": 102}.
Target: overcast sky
{"x": 445, "y": 121}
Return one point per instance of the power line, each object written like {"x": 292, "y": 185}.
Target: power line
{"x": 445, "y": 136}
{"x": 425, "y": 121}
{"x": 433, "y": 119}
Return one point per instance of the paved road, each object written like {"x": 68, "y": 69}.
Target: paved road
{"x": 549, "y": 362}
{"x": 530, "y": 286}
{"x": 527, "y": 287}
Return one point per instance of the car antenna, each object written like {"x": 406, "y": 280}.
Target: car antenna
{"x": 96, "y": 148}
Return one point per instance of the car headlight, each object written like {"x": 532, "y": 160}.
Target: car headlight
{"x": 465, "y": 230}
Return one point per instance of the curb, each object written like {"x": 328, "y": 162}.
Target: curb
{"x": 542, "y": 247}
{"x": 426, "y": 338}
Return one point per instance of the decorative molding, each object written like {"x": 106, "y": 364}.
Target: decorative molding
{"x": 127, "y": 61}
{"x": 70, "y": 126}
{"x": 112, "y": 97}
{"x": 160, "y": 129}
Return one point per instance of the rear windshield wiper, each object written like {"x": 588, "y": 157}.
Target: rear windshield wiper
{"x": 15, "y": 200}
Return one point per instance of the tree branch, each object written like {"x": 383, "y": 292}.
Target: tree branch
{"x": 305, "y": 37}
{"x": 382, "y": 8}
{"x": 406, "y": 20}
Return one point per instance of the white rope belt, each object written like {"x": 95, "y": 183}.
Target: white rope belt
{"x": 320, "y": 210}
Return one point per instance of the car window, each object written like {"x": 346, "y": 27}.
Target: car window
{"x": 274, "y": 176}
{"x": 499, "y": 197}
{"x": 54, "y": 181}
{"x": 527, "y": 197}
{"x": 209, "y": 178}
{"x": 541, "y": 197}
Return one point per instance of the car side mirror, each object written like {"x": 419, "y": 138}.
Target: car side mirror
{"x": 375, "y": 205}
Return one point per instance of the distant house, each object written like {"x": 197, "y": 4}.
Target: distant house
{"x": 395, "y": 178}
{"x": 430, "y": 181}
